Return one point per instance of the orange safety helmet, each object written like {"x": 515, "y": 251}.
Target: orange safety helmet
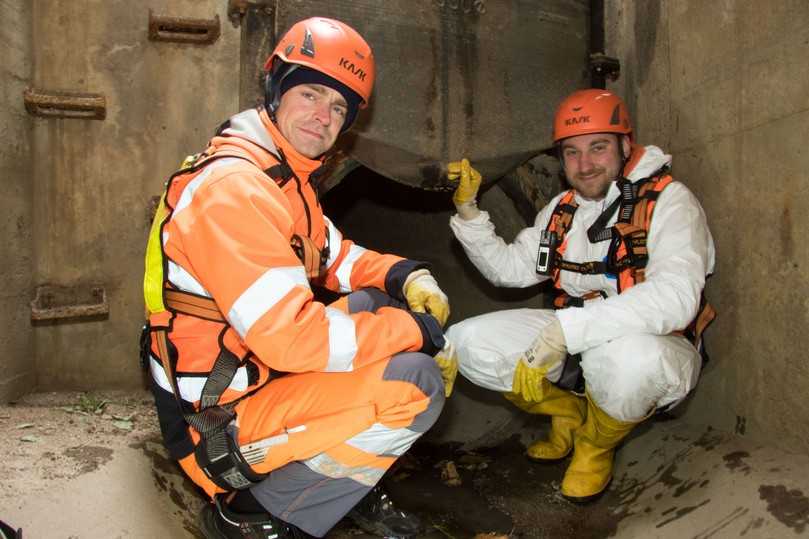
{"x": 328, "y": 47}
{"x": 591, "y": 111}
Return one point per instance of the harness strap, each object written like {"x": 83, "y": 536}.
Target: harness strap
{"x": 312, "y": 258}
{"x": 588, "y": 268}
{"x": 221, "y": 375}
{"x": 704, "y": 317}
{"x": 217, "y": 453}
{"x": 599, "y": 231}
{"x": 192, "y": 304}
{"x": 280, "y": 173}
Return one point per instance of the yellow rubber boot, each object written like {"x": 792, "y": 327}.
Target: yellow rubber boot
{"x": 567, "y": 412}
{"x": 594, "y": 443}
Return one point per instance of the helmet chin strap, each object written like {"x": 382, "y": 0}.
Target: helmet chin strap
{"x": 624, "y": 156}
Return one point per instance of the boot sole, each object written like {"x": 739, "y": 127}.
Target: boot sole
{"x": 375, "y": 528}
{"x": 207, "y": 524}
{"x": 547, "y": 459}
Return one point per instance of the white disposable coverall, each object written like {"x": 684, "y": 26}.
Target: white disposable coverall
{"x": 630, "y": 360}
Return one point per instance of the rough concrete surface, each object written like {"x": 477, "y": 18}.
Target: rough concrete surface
{"x": 722, "y": 87}
{"x": 87, "y": 466}
{"x": 16, "y": 248}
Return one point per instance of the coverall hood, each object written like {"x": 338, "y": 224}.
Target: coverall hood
{"x": 645, "y": 160}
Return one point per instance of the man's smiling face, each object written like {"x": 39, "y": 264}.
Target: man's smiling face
{"x": 593, "y": 161}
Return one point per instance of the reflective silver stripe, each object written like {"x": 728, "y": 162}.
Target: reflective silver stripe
{"x": 247, "y": 124}
{"x": 263, "y": 295}
{"x": 188, "y": 193}
{"x": 347, "y": 266}
{"x": 382, "y": 440}
{"x": 325, "y": 465}
{"x": 178, "y": 276}
{"x": 335, "y": 243}
{"x": 191, "y": 386}
{"x": 342, "y": 341}
{"x": 183, "y": 280}
{"x": 256, "y": 452}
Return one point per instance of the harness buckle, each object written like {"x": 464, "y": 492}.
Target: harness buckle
{"x": 220, "y": 458}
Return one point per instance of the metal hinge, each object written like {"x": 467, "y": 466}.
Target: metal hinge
{"x": 237, "y": 9}
{"x": 605, "y": 66}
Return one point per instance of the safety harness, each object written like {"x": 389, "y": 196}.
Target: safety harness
{"x": 217, "y": 453}
{"x": 627, "y": 255}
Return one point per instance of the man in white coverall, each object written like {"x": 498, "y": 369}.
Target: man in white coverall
{"x": 629, "y": 250}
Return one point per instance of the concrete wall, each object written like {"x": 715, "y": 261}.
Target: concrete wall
{"x": 17, "y": 370}
{"x": 722, "y": 86}
{"x": 93, "y": 178}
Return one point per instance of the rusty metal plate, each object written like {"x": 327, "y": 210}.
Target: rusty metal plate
{"x": 477, "y": 78}
{"x": 67, "y": 303}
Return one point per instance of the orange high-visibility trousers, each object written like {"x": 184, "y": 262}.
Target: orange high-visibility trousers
{"x": 328, "y": 438}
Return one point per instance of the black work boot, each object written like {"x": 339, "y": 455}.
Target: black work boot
{"x": 377, "y": 515}
{"x": 7, "y": 532}
{"x": 217, "y": 521}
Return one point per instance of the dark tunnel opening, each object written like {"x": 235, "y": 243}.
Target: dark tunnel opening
{"x": 381, "y": 214}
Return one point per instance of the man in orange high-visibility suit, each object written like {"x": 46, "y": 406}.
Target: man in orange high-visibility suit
{"x": 286, "y": 411}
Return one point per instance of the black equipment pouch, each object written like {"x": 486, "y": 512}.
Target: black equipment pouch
{"x": 145, "y": 345}
{"x": 572, "y": 377}
{"x": 8, "y": 532}
{"x": 546, "y": 257}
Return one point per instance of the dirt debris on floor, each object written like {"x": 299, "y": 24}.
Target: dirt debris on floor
{"x": 92, "y": 466}
{"x": 58, "y": 436}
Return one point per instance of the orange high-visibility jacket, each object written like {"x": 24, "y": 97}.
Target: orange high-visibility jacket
{"x": 228, "y": 238}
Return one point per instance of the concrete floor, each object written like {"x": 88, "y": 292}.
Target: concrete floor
{"x": 92, "y": 467}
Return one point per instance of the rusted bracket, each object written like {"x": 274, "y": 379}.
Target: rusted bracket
{"x": 65, "y": 104}
{"x": 605, "y": 66}
{"x": 238, "y": 9}
{"x": 69, "y": 303}
{"x": 183, "y": 30}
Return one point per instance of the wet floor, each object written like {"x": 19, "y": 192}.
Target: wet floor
{"x": 95, "y": 468}
{"x": 497, "y": 491}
